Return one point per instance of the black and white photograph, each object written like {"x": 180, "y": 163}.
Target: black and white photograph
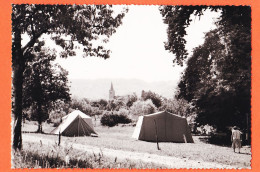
{"x": 131, "y": 87}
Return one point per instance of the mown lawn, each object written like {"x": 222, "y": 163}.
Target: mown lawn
{"x": 119, "y": 138}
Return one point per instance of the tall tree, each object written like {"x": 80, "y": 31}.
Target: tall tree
{"x": 44, "y": 84}
{"x": 218, "y": 74}
{"x": 80, "y": 23}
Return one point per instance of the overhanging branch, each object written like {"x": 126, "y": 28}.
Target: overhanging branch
{"x": 32, "y": 41}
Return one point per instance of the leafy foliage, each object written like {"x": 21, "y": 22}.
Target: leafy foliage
{"x": 81, "y": 23}
{"x": 90, "y": 108}
{"x": 67, "y": 25}
{"x": 131, "y": 99}
{"x": 81, "y": 104}
{"x": 58, "y": 110}
{"x": 111, "y": 119}
{"x": 156, "y": 99}
{"x": 123, "y": 112}
{"x": 143, "y": 108}
{"x": 178, "y": 19}
{"x": 116, "y": 104}
{"x": 44, "y": 84}
{"x": 101, "y": 104}
{"x": 179, "y": 107}
{"x": 217, "y": 79}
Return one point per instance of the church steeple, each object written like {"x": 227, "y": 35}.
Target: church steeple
{"x": 111, "y": 88}
{"x": 111, "y": 92}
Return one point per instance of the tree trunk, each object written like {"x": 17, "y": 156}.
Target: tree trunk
{"x": 39, "y": 127}
{"x": 39, "y": 114}
{"x": 38, "y": 98}
{"x": 18, "y": 65}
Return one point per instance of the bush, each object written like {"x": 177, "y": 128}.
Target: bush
{"x": 123, "y": 119}
{"x": 155, "y": 98}
{"x": 142, "y": 108}
{"x": 110, "y": 119}
{"x": 123, "y": 111}
{"x": 56, "y": 122}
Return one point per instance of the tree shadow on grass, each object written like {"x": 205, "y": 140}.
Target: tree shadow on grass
{"x": 220, "y": 141}
{"x": 244, "y": 153}
{"x": 36, "y": 132}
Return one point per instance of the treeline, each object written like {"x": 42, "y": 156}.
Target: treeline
{"x": 122, "y": 109}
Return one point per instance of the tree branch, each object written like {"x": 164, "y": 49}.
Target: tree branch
{"x": 32, "y": 41}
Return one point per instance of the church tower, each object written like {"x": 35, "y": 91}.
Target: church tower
{"x": 111, "y": 92}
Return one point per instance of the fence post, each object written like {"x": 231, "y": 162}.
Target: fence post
{"x": 59, "y": 139}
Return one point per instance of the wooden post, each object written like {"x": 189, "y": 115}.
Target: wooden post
{"x": 59, "y": 139}
{"x": 156, "y": 135}
{"x": 184, "y": 138}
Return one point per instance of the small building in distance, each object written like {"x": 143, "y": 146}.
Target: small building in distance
{"x": 111, "y": 92}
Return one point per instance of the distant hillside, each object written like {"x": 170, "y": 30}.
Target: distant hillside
{"x": 98, "y": 88}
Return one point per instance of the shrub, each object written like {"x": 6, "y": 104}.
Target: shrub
{"x": 155, "y": 98}
{"x": 108, "y": 120}
{"x": 111, "y": 119}
{"x": 143, "y": 108}
{"x": 123, "y": 111}
{"x": 56, "y": 122}
{"x": 123, "y": 119}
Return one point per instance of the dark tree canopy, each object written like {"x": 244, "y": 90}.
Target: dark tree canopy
{"x": 217, "y": 79}
{"x": 178, "y": 19}
{"x": 67, "y": 25}
{"x": 44, "y": 84}
{"x": 81, "y": 23}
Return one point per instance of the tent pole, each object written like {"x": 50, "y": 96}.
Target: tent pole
{"x": 156, "y": 135}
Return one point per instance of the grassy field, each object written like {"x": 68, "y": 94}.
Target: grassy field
{"x": 46, "y": 156}
{"x": 119, "y": 138}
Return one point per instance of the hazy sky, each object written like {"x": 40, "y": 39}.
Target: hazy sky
{"x": 138, "y": 50}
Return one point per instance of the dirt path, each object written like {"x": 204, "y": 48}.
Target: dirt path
{"x": 170, "y": 162}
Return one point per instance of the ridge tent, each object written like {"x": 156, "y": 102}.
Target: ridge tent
{"x": 75, "y": 124}
{"x": 170, "y": 128}
{"x": 86, "y": 118}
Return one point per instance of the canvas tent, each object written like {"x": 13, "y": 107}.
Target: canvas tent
{"x": 75, "y": 124}
{"x": 170, "y": 128}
